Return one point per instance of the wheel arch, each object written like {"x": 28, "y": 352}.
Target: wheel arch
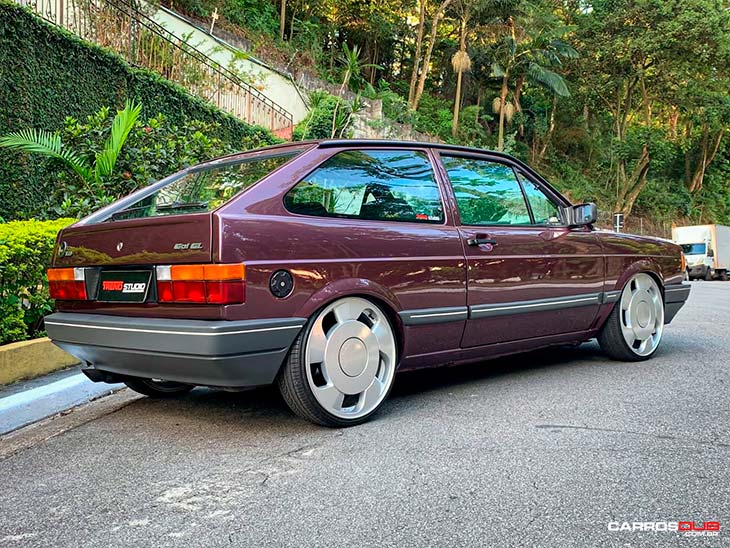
{"x": 358, "y": 287}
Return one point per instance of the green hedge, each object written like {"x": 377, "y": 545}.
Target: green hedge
{"x": 26, "y": 248}
{"x": 48, "y": 74}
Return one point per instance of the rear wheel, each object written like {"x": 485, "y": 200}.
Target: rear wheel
{"x": 158, "y": 388}
{"x": 342, "y": 365}
{"x": 634, "y": 328}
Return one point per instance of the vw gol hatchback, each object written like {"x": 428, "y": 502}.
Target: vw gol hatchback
{"x": 325, "y": 267}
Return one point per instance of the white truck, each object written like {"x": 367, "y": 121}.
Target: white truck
{"x": 707, "y": 249}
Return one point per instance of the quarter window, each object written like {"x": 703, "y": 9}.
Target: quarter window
{"x": 487, "y": 193}
{"x": 392, "y": 185}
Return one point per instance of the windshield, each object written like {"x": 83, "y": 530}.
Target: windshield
{"x": 204, "y": 189}
{"x": 693, "y": 249}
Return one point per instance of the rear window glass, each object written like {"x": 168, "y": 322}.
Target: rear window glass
{"x": 203, "y": 189}
{"x": 384, "y": 185}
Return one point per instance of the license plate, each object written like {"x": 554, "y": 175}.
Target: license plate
{"x": 124, "y": 286}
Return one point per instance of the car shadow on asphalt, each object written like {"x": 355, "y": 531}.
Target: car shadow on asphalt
{"x": 266, "y": 404}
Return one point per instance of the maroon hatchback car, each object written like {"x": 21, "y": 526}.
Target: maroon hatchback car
{"x": 325, "y": 267}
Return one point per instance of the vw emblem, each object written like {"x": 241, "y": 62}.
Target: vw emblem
{"x": 120, "y": 245}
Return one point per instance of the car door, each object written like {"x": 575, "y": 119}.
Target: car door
{"x": 528, "y": 275}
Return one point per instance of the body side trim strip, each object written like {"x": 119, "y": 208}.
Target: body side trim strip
{"x": 539, "y": 305}
{"x": 423, "y": 316}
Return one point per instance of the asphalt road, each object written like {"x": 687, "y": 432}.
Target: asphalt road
{"x": 543, "y": 449}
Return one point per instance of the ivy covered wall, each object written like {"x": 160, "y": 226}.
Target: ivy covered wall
{"x": 47, "y": 74}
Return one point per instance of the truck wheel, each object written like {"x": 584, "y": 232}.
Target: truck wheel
{"x": 634, "y": 328}
{"x": 342, "y": 365}
{"x": 724, "y": 276}
{"x": 158, "y": 388}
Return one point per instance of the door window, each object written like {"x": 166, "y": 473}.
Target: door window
{"x": 544, "y": 210}
{"x": 386, "y": 185}
{"x": 487, "y": 193}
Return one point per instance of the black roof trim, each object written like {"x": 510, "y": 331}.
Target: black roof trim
{"x": 327, "y": 143}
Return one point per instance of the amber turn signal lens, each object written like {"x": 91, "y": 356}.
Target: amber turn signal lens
{"x": 683, "y": 261}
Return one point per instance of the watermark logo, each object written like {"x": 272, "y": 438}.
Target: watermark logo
{"x": 684, "y": 527}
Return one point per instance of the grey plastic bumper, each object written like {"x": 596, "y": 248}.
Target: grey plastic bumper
{"x": 210, "y": 353}
{"x": 675, "y": 296}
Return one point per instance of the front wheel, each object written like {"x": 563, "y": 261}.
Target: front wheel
{"x": 342, "y": 365}
{"x": 158, "y": 388}
{"x": 634, "y": 328}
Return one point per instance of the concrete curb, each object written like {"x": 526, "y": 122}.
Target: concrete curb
{"x": 30, "y": 359}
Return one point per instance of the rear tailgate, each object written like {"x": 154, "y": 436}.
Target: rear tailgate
{"x": 149, "y": 241}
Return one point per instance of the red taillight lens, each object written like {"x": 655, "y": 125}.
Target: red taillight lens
{"x": 67, "y": 284}
{"x": 211, "y": 284}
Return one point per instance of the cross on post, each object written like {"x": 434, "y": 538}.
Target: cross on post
{"x": 213, "y": 18}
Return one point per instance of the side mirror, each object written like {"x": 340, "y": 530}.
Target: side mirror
{"x": 581, "y": 214}
{"x": 710, "y": 252}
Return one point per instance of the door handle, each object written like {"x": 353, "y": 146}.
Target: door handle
{"x": 481, "y": 241}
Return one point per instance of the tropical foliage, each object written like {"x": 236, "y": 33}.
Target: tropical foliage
{"x": 25, "y": 253}
{"x": 626, "y": 102}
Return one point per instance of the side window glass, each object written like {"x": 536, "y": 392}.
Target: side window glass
{"x": 544, "y": 210}
{"x": 387, "y": 185}
{"x": 487, "y": 193}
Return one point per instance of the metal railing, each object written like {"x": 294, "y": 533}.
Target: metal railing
{"x": 127, "y": 30}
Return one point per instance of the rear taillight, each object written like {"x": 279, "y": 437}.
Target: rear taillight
{"x": 67, "y": 284}
{"x": 209, "y": 283}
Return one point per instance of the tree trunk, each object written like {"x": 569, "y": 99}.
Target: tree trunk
{"x": 460, "y": 75}
{"x": 631, "y": 186}
{"x": 709, "y": 145}
{"x": 518, "y": 106}
{"x": 417, "y": 53}
{"x": 283, "y": 20}
{"x": 502, "y": 101}
{"x": 551, "y": 128}
{"x": 429, "y": 50}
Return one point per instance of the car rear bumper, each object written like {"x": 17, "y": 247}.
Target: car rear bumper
{"x": 675, "y": 296}
{"x": 210, "y": 353}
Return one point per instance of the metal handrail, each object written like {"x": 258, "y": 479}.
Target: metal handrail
{"x": 222, "y": 86}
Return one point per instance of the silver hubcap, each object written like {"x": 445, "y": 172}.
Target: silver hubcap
{"x": 642, "y": 314}
{"x": 351, "y": 357}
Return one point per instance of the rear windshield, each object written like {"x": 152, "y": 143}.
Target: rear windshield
{"x": 203, "y": 189}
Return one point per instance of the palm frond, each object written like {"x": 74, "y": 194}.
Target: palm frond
{"x": 549, "y": 79}
{"x": 38, "y": 141}
{"x": 497, "y": 70}
{"x": 121, "y": 126}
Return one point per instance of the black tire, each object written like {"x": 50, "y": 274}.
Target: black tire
{"x": 158, "y": 389}
{"x": 612, "y": 341}
{"x": 294, "y": 387}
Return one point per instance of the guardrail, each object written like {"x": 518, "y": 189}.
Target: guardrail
{"x": 127, "y": 30}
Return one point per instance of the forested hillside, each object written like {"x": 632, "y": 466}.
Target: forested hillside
{"x": 624, "y": 102}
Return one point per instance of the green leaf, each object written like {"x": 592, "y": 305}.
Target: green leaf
{"x": 38, "y": 141}
{"x": 121, "y": 126}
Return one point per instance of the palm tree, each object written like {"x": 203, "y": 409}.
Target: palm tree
{"x": 350, "y": 61}
{"x": 529, "y": 54}
{"x": 46, "y": 143}
{"x": 461, "y": 62}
